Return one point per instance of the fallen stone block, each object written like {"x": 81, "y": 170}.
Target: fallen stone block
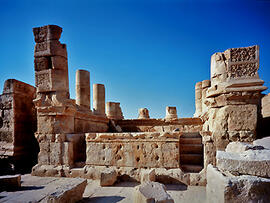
{"x": 235, "y": 189}
{"x": 151, "y": 192}
{"x": 108, "y": 177}
{"x": 250, "y": 162}
{"x": 10, "y": 182}
{"x": 148, "y": 175}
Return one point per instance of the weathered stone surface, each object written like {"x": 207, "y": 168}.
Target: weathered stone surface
{"x": 52, "y": 80}
{"x": 46, "y": 33}
{"x": 114, "y": 111}
{"x": 108, "y": 177}
{"x": 148, "y": 175}
{"x": 50, "y": 48}
{"x": 47, "y": 190}
{"x": 171, "y": 112}
{"x": 83, "y": 88}
{"x": 250, "y": 162}
{"x": 10, "y": 182}
{"x": 133, "y": 149}
{"x": 152, "y": 192}
{"x": 99, "y": 99}
{"x": 238, "y": 147}
{"x": 143, "y": 113}
{"x": 266, "y": 106}
{"x": 237, "y": 189}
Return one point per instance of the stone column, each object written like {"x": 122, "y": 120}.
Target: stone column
{"x": 198, "y": 99}
{"x": 171, "y": 112}
{"x": 99, "y": 99}
{"x": 205, "y": 85}
{"x": 143, "y": 113}
{"x": 83, "y": 88}
{"x": 113, "y": 110}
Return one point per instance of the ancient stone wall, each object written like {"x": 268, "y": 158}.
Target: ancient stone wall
{"x": 161, "y": 125}
{"x": 18, "y": 123}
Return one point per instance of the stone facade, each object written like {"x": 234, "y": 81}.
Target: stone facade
{"x": 18, "y": 124}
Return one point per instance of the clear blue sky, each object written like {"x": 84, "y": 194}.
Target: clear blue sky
{"x": 147, "y": 53}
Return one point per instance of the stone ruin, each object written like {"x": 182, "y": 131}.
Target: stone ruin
{"x": 75, "y": 141}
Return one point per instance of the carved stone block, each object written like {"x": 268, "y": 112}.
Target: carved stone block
{"x": 50, "y": 48}
{"x": 46, "y": 33}
{"x": 51, "y": 80}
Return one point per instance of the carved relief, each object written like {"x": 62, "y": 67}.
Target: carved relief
{"x": 243, "y": 70}
{"x": 243, "y": 54}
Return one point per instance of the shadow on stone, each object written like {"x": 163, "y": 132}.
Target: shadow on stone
{"x": 105, "y": 199}
{"x": 176, "y": 187}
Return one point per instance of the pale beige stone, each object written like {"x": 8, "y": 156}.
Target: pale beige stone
{"x": 171, "y": 112}
{"x": 99, "y": 99}
{"x": 265, "y": 142}
{"x": 108, "y": 177}
{"x": 238, "y": 147}
{"x": 237, "y": 189}
{"x": 148, "y": 175}
{"x": 114, "y": 111}
{"x": 83, "y": 88}
{"x": 143, "y": 113}
{"x": 266, "y": 106}
{"x": 250, "y": 162}
{"x": 151, "y": 192}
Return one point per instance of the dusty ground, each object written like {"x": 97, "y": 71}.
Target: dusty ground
{"x": 94, "y": 193}
{"x": 123, "y": 193}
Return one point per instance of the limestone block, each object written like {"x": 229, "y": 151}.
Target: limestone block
{"x": 152, "y": 192}
{"x": 50, "y": 48}
{"x": 59, "y": 63}
{"x": 143, "y": 113}
{"x": 171, "y": 112}
{"x": 114, "y": 111}
{"x": 52, "y": 80}
{"x": 108, "y": 177}
{"x": 56, "y": 155}
{"x": 239, "y": 147}
{"x": 55, "y": 124}
{"x": 46, "y": 33}
{"x": 236, "y": 189}
{"x": 133, "y": 154}
{"x": 44, "y": 153}
{"x": 265, "y": 142}
{"x": 266, "y": 106}
{"x": 250, "y": 162}
{"x": 148, "y": 175}
{"x": 10, "y": 182}
{"x": 42, "y": 63}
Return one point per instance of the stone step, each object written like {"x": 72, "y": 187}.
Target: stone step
{"x": 191, "y": 159}
{"x": 191, "y": 140}
{"x": 191, "y": 168}
{"x": 191, "y": 134}
{"x": 191, "y": 149}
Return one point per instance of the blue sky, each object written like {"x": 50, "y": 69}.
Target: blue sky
{"x": 147, "y": 53}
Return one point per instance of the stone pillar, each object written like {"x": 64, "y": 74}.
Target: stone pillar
{"x": 83, "y": 88}
{"x": 143, "y": 113}
{"x": 171, "y": 112}
{"x": 113, "y": 111}
{"x": 205, "y": 85}
{"x": 198, "y": 99}
{"x": 99, "y": 99}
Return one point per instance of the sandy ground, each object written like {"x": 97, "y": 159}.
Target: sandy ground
{"x": 123, "y": 193}
{"x": 94, "y": 193}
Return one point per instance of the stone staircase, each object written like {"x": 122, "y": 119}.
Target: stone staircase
{"x": 191, "y": 152}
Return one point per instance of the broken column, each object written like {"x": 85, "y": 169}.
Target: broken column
{"x": 113, "y": 111}
{"x": 234, "y": 96}
{"x": 171, "y": 112}
{"x": 83, "y": 88}
{"x": 198, "y": 99}
{"x": 143, "y": 113}
{"x": 99, "y": 99}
